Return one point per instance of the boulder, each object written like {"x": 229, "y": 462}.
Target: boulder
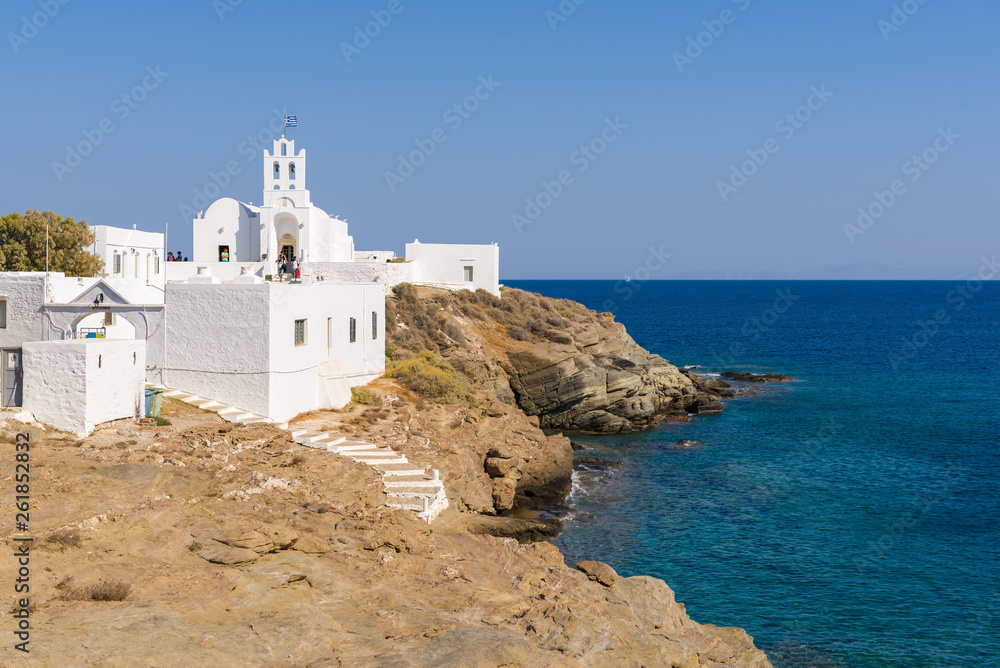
{"x": 219, "y": 553}
{"x": 250, "y": 539}
{"x": 599, "y": 572}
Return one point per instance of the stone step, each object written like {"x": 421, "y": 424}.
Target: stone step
{"x": 347, "y": 449}
{"x": 331, "y": 439}
{"x": 416, "y": 506}
{"x": 256, "y": 419}
{"x": 310, "y": 444}
{"x": 379, "y": 462}
{"x": 405, "y": 481}
{"x": 392, "y": 470}
{"x": 412, "y": 492}
{"x": 373, "y": 451}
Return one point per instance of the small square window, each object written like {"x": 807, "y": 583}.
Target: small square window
{"x": 354, "y": 330}
{"x": 3, "y": 314}
{"x": 468, "y": 274}
{"x": 300, "y": 332}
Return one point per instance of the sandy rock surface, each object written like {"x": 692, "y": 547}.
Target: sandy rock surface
{"x": 243, "y": 548}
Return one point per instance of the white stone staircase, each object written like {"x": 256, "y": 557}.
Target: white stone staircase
{"x": 406, "y": 486}
{"x": 225, "y": 411}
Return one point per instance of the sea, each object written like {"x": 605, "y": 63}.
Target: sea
{"x": 846, "y": 519}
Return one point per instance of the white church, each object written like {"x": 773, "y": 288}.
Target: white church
{"x": 225, "y": 327}
{"x": 233, "y": 237}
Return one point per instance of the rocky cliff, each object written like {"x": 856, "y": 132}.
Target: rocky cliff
{"x": 573, "y": 368}
{"x": 210, "y": 544}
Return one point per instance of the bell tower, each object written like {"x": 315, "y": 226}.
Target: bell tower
{"x": 284, "y": 170}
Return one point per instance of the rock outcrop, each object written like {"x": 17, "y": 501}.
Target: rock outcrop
{"x": 573, "y": 368}
{"x": 313, "y": 573}
{"x": 492, "y": 457}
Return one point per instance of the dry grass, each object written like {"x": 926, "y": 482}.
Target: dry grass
{"x": 112, "y": 590}
{"x": 430, "y": 323}
{"x": 32, "y": 607}
{"x": 62, "y": 539}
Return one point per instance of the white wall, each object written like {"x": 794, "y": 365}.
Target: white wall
{"x": 296, "y": 383}
{"x": 24, "y": 293}
{"x": 76, "y": 385}
{"x": 373, "y": 255}
{"x": 137, "y": 249}
{"x": 235, "y": 343}
{"x": 227, "y": 222}
{"x": 387, "y": 273}
{"x": 217, "y": 342}
{"x": 443, "y": 265}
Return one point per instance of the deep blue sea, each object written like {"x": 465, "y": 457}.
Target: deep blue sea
{"x": 847, "y": 519}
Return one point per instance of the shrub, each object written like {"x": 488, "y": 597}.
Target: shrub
{"x": 391, "y": 320}
{"x": 112, "y": 590}
{"x": 162, "y": 421}
{"x": 455, "y": 332}
{"x": 518, "y": 333}
{"x": 63, "y": 539}
{"x": 431, "y": 377}
{"x": 362, "y": 395}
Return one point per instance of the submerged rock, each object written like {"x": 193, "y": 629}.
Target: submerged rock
{"x": 756, "y": 378}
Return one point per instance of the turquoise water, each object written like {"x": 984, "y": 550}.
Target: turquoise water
{"x": 846, "y": 519}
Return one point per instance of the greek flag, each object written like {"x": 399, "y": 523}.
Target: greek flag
{"x": 291, "y": 121}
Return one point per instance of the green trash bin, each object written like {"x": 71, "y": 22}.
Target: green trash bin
{"x": 154, "y": 402}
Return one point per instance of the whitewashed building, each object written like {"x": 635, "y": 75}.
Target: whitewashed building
{"x": 222, "y": 327}
{"x": 130, "y": 254}
{"x": 231, "y": 235}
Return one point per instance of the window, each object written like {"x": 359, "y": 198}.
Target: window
{"x": 137, "y": 266}
{"x": 3, "y": 314}
{"x": 354, "y": 330}
{"x": 374, "y": 324}
{"x": 300, "y": 332}
{"x": 284, "y": 148}
{"x": 109, "y": 319}
{"x": 291, "y": 170}
{"x": 118, "y": 263}
{"x": 329, "y": 332}
{"x": 468, "y": 274}
{"x": 156, "y": 264}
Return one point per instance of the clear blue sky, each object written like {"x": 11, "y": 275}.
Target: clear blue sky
{"x": 656, "y": 185}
